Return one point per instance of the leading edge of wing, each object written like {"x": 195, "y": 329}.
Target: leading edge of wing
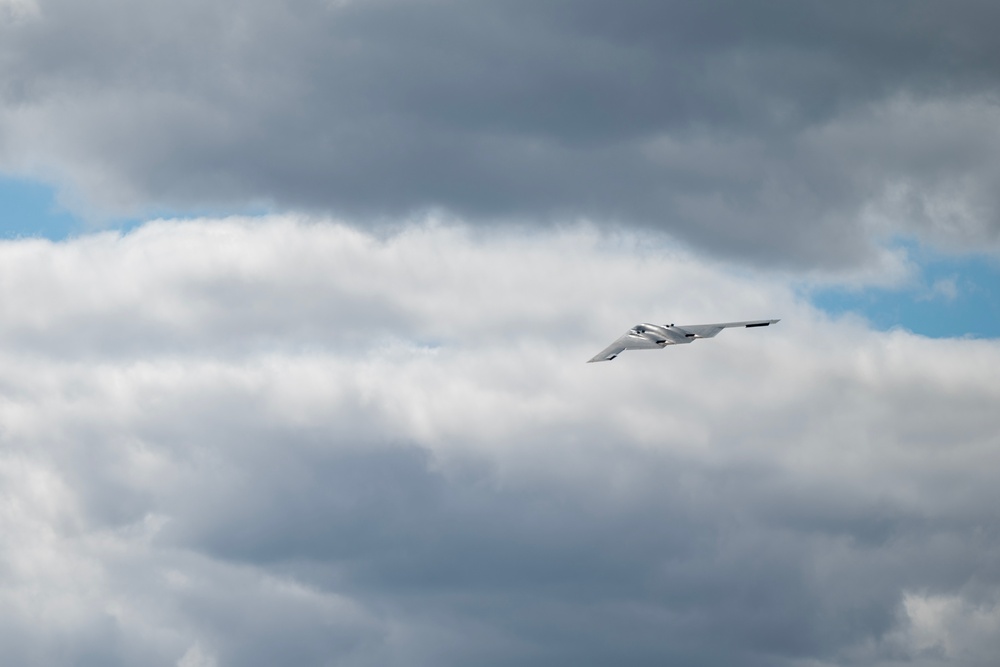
{"x": 628, "y": 341}
{"x": 611, "y": 351}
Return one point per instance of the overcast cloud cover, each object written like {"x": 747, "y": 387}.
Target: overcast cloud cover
{"x": 359, "y": 430}
{"x": 804, "y": 132}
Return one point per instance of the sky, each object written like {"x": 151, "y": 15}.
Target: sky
{"x": 296, "y": 300}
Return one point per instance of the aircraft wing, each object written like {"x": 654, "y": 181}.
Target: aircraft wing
{"x": 709, "y": 330}
{"x": 626, "y": 342}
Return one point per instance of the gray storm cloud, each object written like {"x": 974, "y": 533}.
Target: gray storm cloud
{"x": 802, "y": 132}
{"x": 252, "y": 442}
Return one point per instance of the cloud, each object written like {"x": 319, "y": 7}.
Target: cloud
{"x": 250, "y": 441}
{"x": 803, "y": 135}
{"x": 948, "y": 628}
{"x": 18, "y": 10}
{"x": 196, "y": 657}
{"x": 943, "y": 288}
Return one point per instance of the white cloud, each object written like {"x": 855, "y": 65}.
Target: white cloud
{"x": 948, "y": 629}
{"x": 196, "y": 657}
{"x": 18, "y": 10}
{"x": 283, "y": 440}
{"x": 942, "y": 288}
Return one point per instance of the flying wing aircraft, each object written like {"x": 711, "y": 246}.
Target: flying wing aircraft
{"x": 654, "y": 336}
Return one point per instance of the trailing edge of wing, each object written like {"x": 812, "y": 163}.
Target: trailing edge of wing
{"x": 709, "y": 330}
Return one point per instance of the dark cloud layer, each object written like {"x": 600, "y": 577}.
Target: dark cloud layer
{"x": 802, "y": 131}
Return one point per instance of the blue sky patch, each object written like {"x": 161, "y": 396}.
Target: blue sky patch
{"x": 29, "y": 208}
{"x": 952, "y": 296}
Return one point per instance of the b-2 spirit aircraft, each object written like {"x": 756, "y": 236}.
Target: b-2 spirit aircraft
{"x": 654, "y": 336}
